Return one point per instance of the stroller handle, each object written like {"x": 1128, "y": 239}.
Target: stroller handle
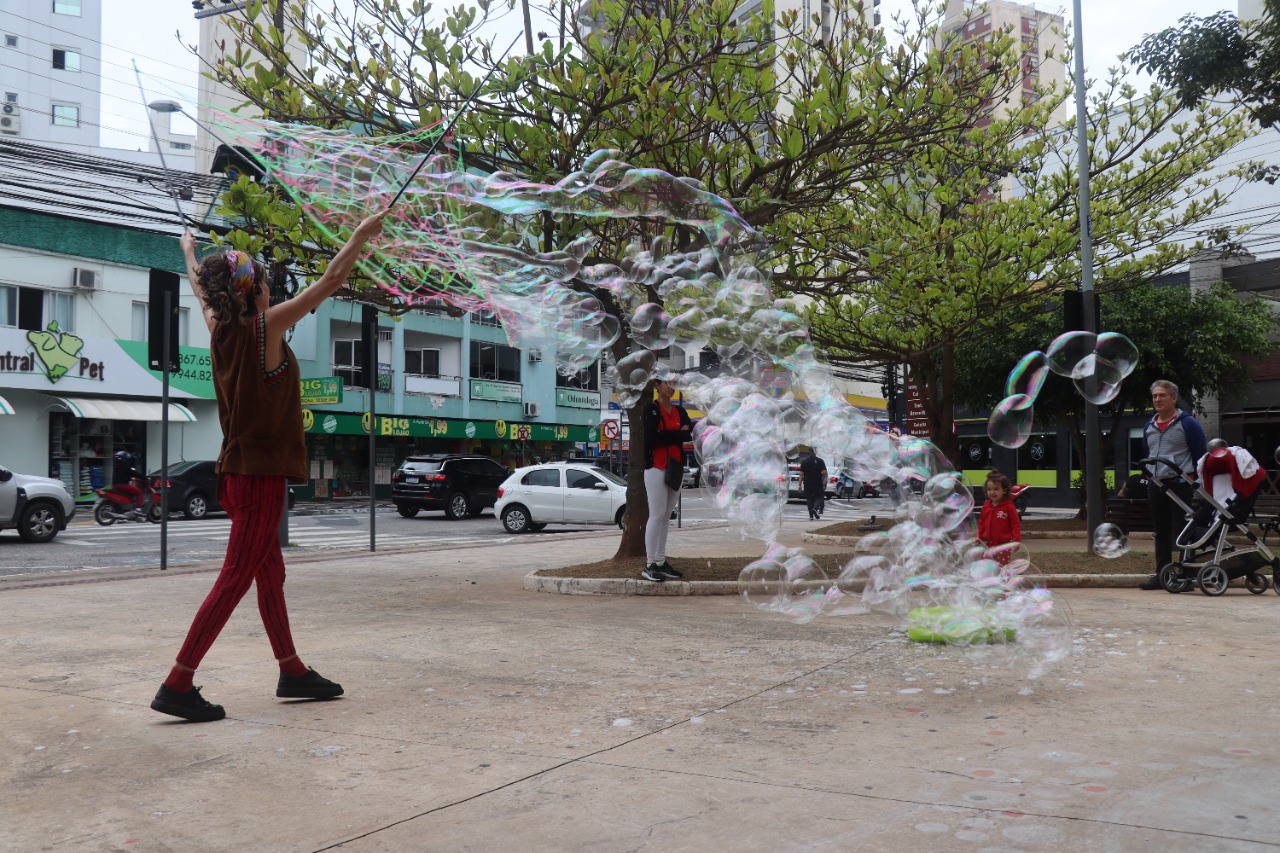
{"x": 1148, "y": 467}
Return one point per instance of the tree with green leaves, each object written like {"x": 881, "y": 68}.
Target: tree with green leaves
{"x": 919, "y": 262}
{"x": 1220, "y": 54}
{"x": 784, "y": 117}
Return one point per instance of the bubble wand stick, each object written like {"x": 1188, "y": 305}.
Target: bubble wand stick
{"x": 169, "y": 184}
{"x": 452, "y": 122}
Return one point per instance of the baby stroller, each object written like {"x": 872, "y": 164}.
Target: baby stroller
{"x": 1228, "y": 487}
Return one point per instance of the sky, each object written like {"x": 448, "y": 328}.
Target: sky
{"x": 154, "y": 33}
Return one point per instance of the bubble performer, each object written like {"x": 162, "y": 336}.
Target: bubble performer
{"x": 256, "y": 382}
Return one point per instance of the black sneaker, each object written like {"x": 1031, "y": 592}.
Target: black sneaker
{"x": 653, "y": 572}
{"x": 669, "y": 571}
{"x": 1152, "y": 582}
{"x": 189, "y": 705}
{"x": 313, "y": 685}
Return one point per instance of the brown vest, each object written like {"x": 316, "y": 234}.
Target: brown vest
{"x": 260, "y": 412}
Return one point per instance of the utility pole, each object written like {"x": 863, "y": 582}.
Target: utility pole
{"x": 1092, "y": 425}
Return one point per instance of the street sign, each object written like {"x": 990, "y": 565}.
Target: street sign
{"x": 522, "y": 432}
{"x": 611, "y": 429}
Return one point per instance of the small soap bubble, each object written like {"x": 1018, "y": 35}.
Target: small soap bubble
{"x": 1028, "y": 376}
{"x": 1110, "y": 541}
{"x": 1010, "y": 422}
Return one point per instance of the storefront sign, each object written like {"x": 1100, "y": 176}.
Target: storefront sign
{"x": 319, "y": 392}
{"x": 343, "y": 423}
{"x": 500, "y": 392}
{"x": 59, "y": 362}
{"x": 576, "y": 398}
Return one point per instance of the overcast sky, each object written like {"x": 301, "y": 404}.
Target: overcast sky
{"x": 144, "y": 31}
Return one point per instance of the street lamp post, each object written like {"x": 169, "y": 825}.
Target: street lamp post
{"x": 1092, "y": 437}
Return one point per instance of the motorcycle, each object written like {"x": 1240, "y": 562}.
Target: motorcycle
{"x": 113, "y": 506}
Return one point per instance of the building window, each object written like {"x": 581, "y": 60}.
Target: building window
{"x": 422, "y": 362}
{"x": 495, "y": 361}
{"x": 60, "y": 307}
{"x": 8, "y": 305}
{"x": 11, "y": 97}
{"x": 66, "y": 7}
{"x": 10, "y": 41}
{"x": 66, "y": 115}
{"x": 588, "y": 379}
{"x": 348, "y": 361}
{"x": 486, "y": 318}
{"x": 180, "y": 146}
{"x": 66, "y": 60}
{"x": 139, "y": 331}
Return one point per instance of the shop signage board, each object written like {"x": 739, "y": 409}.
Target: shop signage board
{"x": 346, "y": 423}
{"x": 59, "y": 362}
{"x": 499, "y": 392}
{"x": 576, "y": 398}
{"x": 320, "y": 392}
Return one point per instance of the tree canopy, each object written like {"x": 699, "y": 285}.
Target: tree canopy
{"x": 1220, "y": 54}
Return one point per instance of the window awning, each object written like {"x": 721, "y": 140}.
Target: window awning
{"x": 5, "y": 408}
{"x": 123, "y": 410}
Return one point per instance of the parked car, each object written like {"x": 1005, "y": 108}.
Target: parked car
{"x": 459, "y": 485}
{"x": 560, "y": 493}
{"x": 691, "y": 479}
{"x": 848, "y": 486}
{"x": 38, "y": 507}
{"x": 193, "y": 488}
{"x": 794, "y": 490}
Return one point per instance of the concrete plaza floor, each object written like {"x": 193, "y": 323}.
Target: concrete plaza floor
{"x": 483, "y": 717}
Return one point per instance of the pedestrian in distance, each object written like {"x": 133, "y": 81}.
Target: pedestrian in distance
{"x": 667, "y": 427}
{"x": 1174, "y": 435}
{"x": 813, "y": 482}
{"x": 998, "y": 523}
{"x": 256, "y": 383}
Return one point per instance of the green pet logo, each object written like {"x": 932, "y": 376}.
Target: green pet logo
{"x": 58, "y": 351}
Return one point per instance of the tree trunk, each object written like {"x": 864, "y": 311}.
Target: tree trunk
{"x": 933, "y": 383}
{"x": 637, "y": 514}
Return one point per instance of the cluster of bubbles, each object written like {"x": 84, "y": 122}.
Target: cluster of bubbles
{"x": 1096, "y": 364}
{"x": 465, "y": 239}
{"x": 1110, "y": 541}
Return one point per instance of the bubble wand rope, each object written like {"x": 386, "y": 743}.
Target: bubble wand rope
{"x": 182, "y": 217}
{"x": 452, "y": 122}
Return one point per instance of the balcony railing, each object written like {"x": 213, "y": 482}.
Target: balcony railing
{"x": 435, "y": 386}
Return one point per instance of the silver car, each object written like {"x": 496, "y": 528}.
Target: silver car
{"x": 37, "y": 506}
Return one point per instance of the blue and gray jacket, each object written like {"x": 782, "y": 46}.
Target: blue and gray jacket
{"x": 1182, "y": 443}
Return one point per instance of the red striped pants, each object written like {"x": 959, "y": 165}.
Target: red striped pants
{"x": 254, "y": 503}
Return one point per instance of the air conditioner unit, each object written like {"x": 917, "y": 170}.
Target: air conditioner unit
{"x": 532, "y": 410}
{"x": 10, "y": 119}
{"x": 535, "y": 356}
{"x": 83, "y": 279}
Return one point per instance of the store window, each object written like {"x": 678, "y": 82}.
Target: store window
{"x": 422, "y": 362}
{"x": 1039, "y": 453}
{"x": 66, "y": 60}
{"x": 66, "y": 115}
{"x": 495, "y": 361}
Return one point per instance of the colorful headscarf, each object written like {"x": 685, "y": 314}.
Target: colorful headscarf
{"x": 241, "y": 265}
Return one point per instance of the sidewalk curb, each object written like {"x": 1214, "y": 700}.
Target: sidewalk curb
{"x": 533, "y": 582}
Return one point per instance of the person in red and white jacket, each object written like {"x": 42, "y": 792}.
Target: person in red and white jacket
{"x": 999, "y": 523}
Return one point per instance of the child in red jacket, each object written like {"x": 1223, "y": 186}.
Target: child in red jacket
{"x": 999, "y": 523}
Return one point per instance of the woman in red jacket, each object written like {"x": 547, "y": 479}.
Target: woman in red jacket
{"x": 999, "y": 523}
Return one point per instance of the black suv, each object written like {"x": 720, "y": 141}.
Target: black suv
{"x": 459, "y": 485}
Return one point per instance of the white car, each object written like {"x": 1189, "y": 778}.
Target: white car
{"x": 560, "y": 493}
{"x": 37, "y": 506}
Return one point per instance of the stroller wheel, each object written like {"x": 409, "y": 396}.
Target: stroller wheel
{"x": 1171, "y": 579}
{"x": 1256, "y": 583}
{"x": 1213, "y": 579}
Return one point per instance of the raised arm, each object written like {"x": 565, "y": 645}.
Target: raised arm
{"x": 188, "y": 243}
{"x": 281, "y": 317}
